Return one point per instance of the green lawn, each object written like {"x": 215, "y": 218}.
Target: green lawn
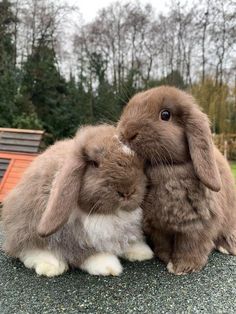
{"x": 233, "y": 167}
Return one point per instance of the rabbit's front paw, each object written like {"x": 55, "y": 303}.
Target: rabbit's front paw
{"x": 49, "y": 270}
{"x": 44, "y": 262}
{"x": 104, "y": 264}
{"x": 139, "y": 251}
{"x": 184, "y": 267}
{"x": 227, "y": 244}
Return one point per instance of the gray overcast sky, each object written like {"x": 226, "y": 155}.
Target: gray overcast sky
{"x": 89, "y": 8}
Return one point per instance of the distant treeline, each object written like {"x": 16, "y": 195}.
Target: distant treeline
{"x": 56, "y": 75}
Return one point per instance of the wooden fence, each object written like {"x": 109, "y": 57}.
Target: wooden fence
{"x": 226, "y": 144}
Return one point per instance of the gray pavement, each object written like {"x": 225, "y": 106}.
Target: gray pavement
{"x": 142, "y": 288}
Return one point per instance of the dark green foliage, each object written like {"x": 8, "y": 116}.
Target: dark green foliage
{"x": 56, "y": 103}
{"x": 8, "y": 72}
{"x": 45, "y": 91}
{"x": 106, "y": 109}
{"x": 128, "y": 88}
{"x": 27, "y": 121}
{"x": 36, "y": 95}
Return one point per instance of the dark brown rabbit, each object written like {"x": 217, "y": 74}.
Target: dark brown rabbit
{"x": 190, "y": 207}
{"x": 78, "y": 205}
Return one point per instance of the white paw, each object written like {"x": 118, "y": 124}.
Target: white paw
{"x": 104, "y": 264}
{"x": 49, "y": 270}
{"x": 222, "y": 250}
{"x": 44, "y": 262}
{"x": 170, "y": 268}
{"x": 139, "y": 251}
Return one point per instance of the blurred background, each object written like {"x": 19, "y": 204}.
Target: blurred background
{"x": 63, "y": 65}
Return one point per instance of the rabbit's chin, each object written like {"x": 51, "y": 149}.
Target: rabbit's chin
{"x": 126, "y": 208}
{"x": 110, "y": 207}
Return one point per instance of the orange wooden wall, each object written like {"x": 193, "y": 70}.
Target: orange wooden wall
{"x": 18, "y": 164}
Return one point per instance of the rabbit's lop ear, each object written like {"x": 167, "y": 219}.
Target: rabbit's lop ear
{"x": 202, "y": 149}
{"x": 63, "y": 197}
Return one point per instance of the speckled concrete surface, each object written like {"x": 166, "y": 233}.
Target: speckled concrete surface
{"x": 142, "y": 288}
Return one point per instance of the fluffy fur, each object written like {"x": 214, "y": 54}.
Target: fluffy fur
{"x": 190, "y": 207}
{"x": 79, "y": 198}
{"x": 102, "y": 264}
{"x": 44, "y": 262}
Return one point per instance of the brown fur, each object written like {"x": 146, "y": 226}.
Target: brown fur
{"x": 190, "y": 207}
{"x": 87, "y": 175}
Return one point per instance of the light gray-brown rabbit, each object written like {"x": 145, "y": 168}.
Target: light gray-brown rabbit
{"x": 78, "y": 205}
{"x": 190, "y": 207}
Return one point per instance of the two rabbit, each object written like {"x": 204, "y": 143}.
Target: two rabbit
{"x": 79, "y": 202}
{"x": 78, "y": 205}
{"x": 190, "y": 206}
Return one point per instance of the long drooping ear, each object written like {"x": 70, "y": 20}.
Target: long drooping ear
{"x": 202, "y": 149}
{"x": 63, "y": 197}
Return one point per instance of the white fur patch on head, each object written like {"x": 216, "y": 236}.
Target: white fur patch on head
{"x": 126, "y": 149}
{"x": 45, "y": 262}
{"x": 104, "y": 264}
{"x": 138, "y": 251}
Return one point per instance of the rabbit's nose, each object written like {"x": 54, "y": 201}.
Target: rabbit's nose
{"x": 126, "y": 195}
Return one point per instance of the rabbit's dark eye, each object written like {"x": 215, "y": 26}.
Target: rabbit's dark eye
{"x": 133, "y": 137}
{"x": 165, "y": 115}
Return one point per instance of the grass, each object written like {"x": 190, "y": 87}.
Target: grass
{"x": 233, "y": 167}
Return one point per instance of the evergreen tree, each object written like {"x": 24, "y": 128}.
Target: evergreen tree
{"x": 104, "y": 106}
{"x": 45, "y": 91}
{"x": 8, "y": 72}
